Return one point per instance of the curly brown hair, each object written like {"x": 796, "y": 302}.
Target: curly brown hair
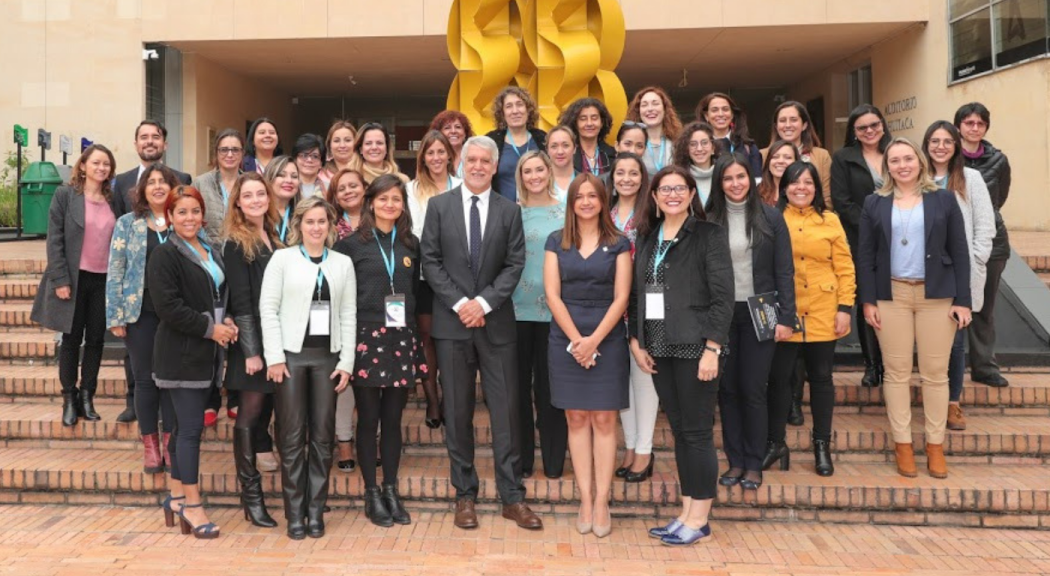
{"x": 530, "y": 106}
{"x": 672, "y": 125}
{"x": 447, "y": 117}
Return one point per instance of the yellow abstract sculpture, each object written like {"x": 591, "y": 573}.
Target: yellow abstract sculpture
{"x": 559, "y": 50}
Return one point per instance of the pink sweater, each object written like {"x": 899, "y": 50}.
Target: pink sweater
{"x": 98, "y": 231}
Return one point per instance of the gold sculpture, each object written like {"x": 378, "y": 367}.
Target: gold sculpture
{"x": 559, "y": 50}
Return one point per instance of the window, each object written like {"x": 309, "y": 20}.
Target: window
{"x": 859, "y": 87}
{"x": 991, "y": 34}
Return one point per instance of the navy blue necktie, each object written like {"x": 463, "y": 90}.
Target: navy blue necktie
{"x": 475, "y": 237}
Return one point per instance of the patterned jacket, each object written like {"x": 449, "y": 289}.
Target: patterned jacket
{"x": 127, "y": 271}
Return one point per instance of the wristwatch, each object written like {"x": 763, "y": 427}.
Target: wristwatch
{"x": 718, "y": 351}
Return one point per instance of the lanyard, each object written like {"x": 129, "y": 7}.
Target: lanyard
{"x": 225, "y": 195}
{"x": 320, "y": 272}
{"x": 623, "y": 226}
{"x": 661, "y": 252}
{"x": 158, "y": 223}
{"x": 213, "y": 269}
{"x": 388, "y": 262}
{"x": 349, "y": 223}
{"x": 515, "y": 146}
{"x": 595, "y": 168}
{"x": 284, "y": 222}
{"x": 658, "y": 162}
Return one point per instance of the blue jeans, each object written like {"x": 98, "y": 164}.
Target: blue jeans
{"x": 957, "y": 366}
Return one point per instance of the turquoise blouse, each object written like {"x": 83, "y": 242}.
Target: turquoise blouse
{"x": 530, "y": 300}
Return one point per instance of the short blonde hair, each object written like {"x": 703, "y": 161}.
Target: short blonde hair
{"x": 926, "y": 183}
{"x": 295, "y": 235}
{"x": 522, "y": 194}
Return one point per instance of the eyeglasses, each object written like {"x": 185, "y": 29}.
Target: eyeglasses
{"x": 314, "y": 156}
{"x": 693, "y": 144}
{"x": 874, "y": 126}
{"x": 974, "y": 124}
{"x": 680, "y": 190}
{"x": 229, "y": 151}
{"x": 938, "y": 143}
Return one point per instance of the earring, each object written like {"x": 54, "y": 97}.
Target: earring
{"x": 657, "y": 210}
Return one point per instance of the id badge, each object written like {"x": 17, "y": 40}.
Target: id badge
{"x": 220, "y": 312}
{"x": 395, "y": 311}
{"x": 320, "y": 317}
{"x": 654, "y": 302}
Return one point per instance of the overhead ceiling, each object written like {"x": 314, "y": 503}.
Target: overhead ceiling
{"x": 738, "y": 58}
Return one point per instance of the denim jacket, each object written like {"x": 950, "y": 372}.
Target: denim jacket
{"x": 127, "y": 271}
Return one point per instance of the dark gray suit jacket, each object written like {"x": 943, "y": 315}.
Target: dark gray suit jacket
{"x": 124, "y": 186}
{"x": 446, "y": 264}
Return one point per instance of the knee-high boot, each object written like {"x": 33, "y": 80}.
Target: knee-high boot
{"x": 251, "y": 481}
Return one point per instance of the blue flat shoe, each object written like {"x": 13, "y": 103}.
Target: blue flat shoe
{"x": 685, "y": 536}
{"x": 663, "y": 531}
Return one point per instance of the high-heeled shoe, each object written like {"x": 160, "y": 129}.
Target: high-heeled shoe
{"x": 602, "y": 531}
{"x": 211, "y": 418}
{"x": 207, "y": 531}
{"x": 393, "y": 504}
{"x": 169, "y": 514}
{"x": 581, "y": 526}
{"x": 777, "y": 451}
{"x": 731, "y": 477}
{"x": 349, "y": 464}
{"x": 641, "y": 476}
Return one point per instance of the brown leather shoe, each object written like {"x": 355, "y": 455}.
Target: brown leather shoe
{"x": 956, "y": 420}
{"x": 906, "y": 461}
{"x": 466, "y": 518}
{"x": 523, "y": 516}
{"x": 935, "y": 462}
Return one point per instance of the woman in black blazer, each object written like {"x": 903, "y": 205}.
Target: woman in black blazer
{"x": 250, "y": 228}
{"x": 762, "y": 263}
{"x": 187, "y": 281}
{"x": 913, "y": 272}
{"x": 856, "y": 172}
{"x": 684, "y": 262}
{"x": 591, "y": 122}
{"x": 516, "y": 133}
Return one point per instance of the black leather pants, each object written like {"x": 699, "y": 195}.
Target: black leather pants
{"x": 305, "y": 408}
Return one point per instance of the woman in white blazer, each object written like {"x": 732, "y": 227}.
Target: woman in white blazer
{"x": 308, "y": 314}
{"x": 943, "y": 148}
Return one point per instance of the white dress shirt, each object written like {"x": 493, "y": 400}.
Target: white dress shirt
{"x": 483, "y": 210}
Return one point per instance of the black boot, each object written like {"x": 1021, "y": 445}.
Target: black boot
{"x": 795, "y": 416}
{"x": 251, "y": 481}
{"x": 375, "y": 508}
{"x": 777, "y": 451}
{"x": 798, "y": 382}
{"x": 822, "y": 454}
{"x": 394, "y": 506}
{"x": 869, "y": 347}
{"x": 87, "y": 406}
{"x": 69, "y": 408}
{"x": 128, "y": 415}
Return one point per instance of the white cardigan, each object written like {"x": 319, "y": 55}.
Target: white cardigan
{"x": 979, "y": 218}
{"x": 284, "y": 304}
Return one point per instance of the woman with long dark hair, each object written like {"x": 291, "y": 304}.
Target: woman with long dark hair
{"x": 856, "y": 172}
{"x": 730, "y": 124}
{"x": 792, "y": 123}
{"x": 263, "y": 145}
{"x": 762, "y": 264}
{"x": 696, "y": 150}
{"x": 781, "y": 154}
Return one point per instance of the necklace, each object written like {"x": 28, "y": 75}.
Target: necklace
{"x": 905, "y": 223}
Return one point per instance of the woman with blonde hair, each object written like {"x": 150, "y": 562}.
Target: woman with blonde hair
{"x": 283, "y": 177}
{"x": 913, "y": 271}
{"x": 339, "y": 145}
{"x": 374, "y": 153}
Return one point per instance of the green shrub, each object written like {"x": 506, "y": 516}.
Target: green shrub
{"x": 9, "y": 188}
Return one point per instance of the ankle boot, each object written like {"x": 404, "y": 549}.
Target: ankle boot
{"x": 128, "y": 415}
{"x": 871, "y": 377}
{"x": 165, "y": 437}
{"x": 798, "y": 382}
{"x": 375, "y": 508}
{"x": 822, "y": 456}
{"x": 87, "y": 406}
{"x": 250, "y": 479}
{"x": 69, "y": 408}
{"x": 935, "y": 461}
{"x": 152, "y": 461}
{"x": 777, "y": 451}
{"x": 906, "y": 460}
{"x": 795, "y": 415}
{"x": 393, "y": 504}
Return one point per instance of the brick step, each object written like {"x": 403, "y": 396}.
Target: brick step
{"x": 1039, "y": 264}
{"x": 18, "y": 289}
{"x": 993, "y": 439}
{"x": 16, "y": 314}
{"x": 24, "y": 343}
{"x": 1028, "y": 393}
{"x": 23, "y": 267}
{"x": 973, "y": 495}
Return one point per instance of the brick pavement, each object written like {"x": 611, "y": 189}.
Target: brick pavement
{"x": 108, "y": 541}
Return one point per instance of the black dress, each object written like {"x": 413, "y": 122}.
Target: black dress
{"x": 245, "y": 281}
{"x": 386, "y": 357}
{"x": 587, "y": 289}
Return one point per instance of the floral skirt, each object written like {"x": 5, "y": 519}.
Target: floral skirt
{"x": 387, "y": 357}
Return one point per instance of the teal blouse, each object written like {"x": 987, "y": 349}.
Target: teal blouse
{"x": 530, "y": 301}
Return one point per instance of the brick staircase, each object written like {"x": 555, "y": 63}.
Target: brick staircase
{"x": 999, "y": 473}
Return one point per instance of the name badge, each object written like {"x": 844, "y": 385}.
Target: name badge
{"x": 395, "y": 311}
{"x": 220, "y": 312}
{"x": 654, "y": 302}
{"x": 320, "y": 318}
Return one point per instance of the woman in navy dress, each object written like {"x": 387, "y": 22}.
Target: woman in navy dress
{"x": 587, "y": 278}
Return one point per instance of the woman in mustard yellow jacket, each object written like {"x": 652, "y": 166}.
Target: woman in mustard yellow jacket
{"x": 825, "y": 288}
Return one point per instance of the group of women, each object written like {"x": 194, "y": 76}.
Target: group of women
{"x": 288, "y": 279}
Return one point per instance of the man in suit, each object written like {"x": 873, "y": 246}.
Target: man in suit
{"x": 473, "y": 253}
{"x": 151, "y": 140}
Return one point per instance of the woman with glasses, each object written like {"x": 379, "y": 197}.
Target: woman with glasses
{"x": 652, "y": 107}
{"x": 791, "y": 123}
{"x": 374, "y": 154}
{"x": 856, "y": 172}
{"x": 696, "y": 151}
{"x": 309, "y": 153}
{"x": 215, "y": 185}
{"x": 943, "y": 148}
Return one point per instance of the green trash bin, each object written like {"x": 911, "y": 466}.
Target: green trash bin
{"x": 38, "y": 187}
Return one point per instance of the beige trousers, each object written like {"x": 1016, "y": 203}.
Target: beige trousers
{"x": 910, "y": 321}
